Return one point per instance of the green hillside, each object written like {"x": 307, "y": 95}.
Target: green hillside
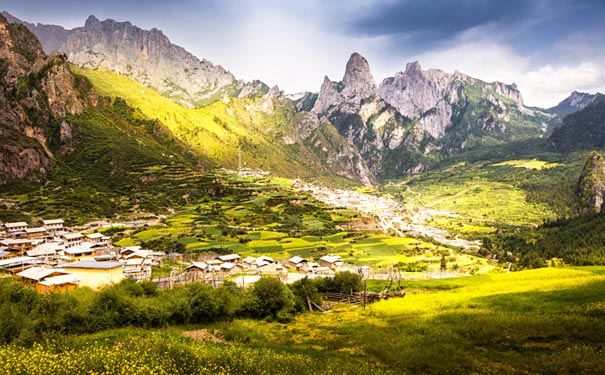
{"x": 120, "y": 162}
{"x": 582, "y": 130}
{"x": 220, "y": 130}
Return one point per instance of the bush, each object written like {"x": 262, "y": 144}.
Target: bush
{"x": 344, "y": 282}
{"x": 269, "y": 297}
{"x": 305, "y": 290}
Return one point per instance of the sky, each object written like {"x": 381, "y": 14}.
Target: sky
{"x": 549, "y": 48}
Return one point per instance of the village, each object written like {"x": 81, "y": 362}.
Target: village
{"x": 389, "y": 214}
{"x": 52, "y": 257}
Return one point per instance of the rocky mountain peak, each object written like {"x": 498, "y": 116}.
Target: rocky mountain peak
{"x": 358, "y": 75}
{"x": 573, "y": 103}
{"x": 35, "y": 89}
{"x": 147, "y": 56}
{"x": 414, "y": 94}
{"x": 92, "y": 21}
{"x": 357, "y": 85}
{"x": 412, "y": 68}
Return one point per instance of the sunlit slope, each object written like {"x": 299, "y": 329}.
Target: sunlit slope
{"x": 220, "y": 130}
{"x": 509, "y": 192}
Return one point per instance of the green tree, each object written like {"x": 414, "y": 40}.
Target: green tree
{"x": 346, "y": 282}
{"x": 305, "y": 292}
{"x": 271, "y": 297}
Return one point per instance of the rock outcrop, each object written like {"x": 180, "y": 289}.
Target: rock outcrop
{"x": 396, "y": 125}
{"x": 591, "y": 185}
{"x": 34, "y": 91}
{"x": 148, "y": 56}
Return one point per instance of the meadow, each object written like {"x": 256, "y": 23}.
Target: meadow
{"x": 547, "y": 321}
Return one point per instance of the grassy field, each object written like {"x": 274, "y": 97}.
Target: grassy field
{"x": 542, "y": 321}
{"x": 491, "y": 194}
{"x": 547, "y": 321}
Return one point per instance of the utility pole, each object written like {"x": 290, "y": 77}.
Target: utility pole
{"x": 239, "y": 159}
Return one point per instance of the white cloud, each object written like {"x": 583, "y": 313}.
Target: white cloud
{"x": 548, "y": 85}
{"x": 283, "y": 48}
{"x": 540, "y": 85}
{"x": 484, "y": 60}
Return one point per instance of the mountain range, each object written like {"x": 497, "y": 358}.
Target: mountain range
{"x": 353, "y": 128}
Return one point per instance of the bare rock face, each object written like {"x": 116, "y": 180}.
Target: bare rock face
{"x": 347, "y": 95}
{"x": 591, "y": 185}
{"x": 148, "y": 56}
{"x": 417, "y": 112}
{"x": 358, "y": 81}
{"x": 573, "y": 103}
{"x": 328, "y": 98}
{"x": 415, "y": 95}
{"x": 34, "y": 90}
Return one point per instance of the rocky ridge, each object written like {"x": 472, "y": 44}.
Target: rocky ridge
{"x": 148, "y": 56}
{"x": 35, "y": 90}
{"x": 573, "y": 103}
{"x": 591, "y": 185}
{"x": 410, "y": 116}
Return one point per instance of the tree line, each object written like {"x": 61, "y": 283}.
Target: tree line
{"x": 27, "y": 316}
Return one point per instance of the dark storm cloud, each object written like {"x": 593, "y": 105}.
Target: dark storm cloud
{"x": 426, "y": 23}
{"x": 438, "y": 17}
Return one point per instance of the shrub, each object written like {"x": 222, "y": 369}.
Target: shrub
{"x": 269, "y": 296}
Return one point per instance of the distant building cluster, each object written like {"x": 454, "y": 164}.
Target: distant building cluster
{"x": 50, "y": 256}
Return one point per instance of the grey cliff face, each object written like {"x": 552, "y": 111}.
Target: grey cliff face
{"x": 413, "y": 94}
{"x": 148, "y": 56}
{"x": 358, "y": 81}
{"x": 34, "y": 90}
{"x": 356, "y": 86}
{"x": 416, "y": 112}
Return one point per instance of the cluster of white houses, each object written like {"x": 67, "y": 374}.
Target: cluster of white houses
{"x": 52, "y": 257}
{"x": 225, "y": 265}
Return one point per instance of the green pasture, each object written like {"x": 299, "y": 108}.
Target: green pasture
{"x": 547, "y": 321}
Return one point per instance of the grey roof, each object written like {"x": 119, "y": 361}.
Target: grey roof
{"x": 79, "y": 250}
{"x": 296, "y": 259}
{"x": 15, "y": 261}
{"x": 15, "y": 225}
{"x": 199, "y": 265}
{"x": 73, "y": 236}
{"x": 227, "y": 258}
{"x": 41, "y": 252}
{"x": 106, "y": 257}
{"x": 35, "y": 230}
{"x": 91, "y": 264}
{"x": 38, "y": 273}
{"x": 331, "y": 258}
{"x": 59, "y": 280}
{"x": 52, "y": 221}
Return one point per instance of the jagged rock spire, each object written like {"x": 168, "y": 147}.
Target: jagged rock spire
{"x": 358, "y": 78}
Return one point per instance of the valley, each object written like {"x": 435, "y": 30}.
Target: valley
{"x": 218, "y": 220}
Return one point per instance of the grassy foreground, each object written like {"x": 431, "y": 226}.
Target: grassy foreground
{"x": 546, "y": 321}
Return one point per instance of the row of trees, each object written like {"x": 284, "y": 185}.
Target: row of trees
{"x": 578, "y": 241}
{"x": 27, "y": 316}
